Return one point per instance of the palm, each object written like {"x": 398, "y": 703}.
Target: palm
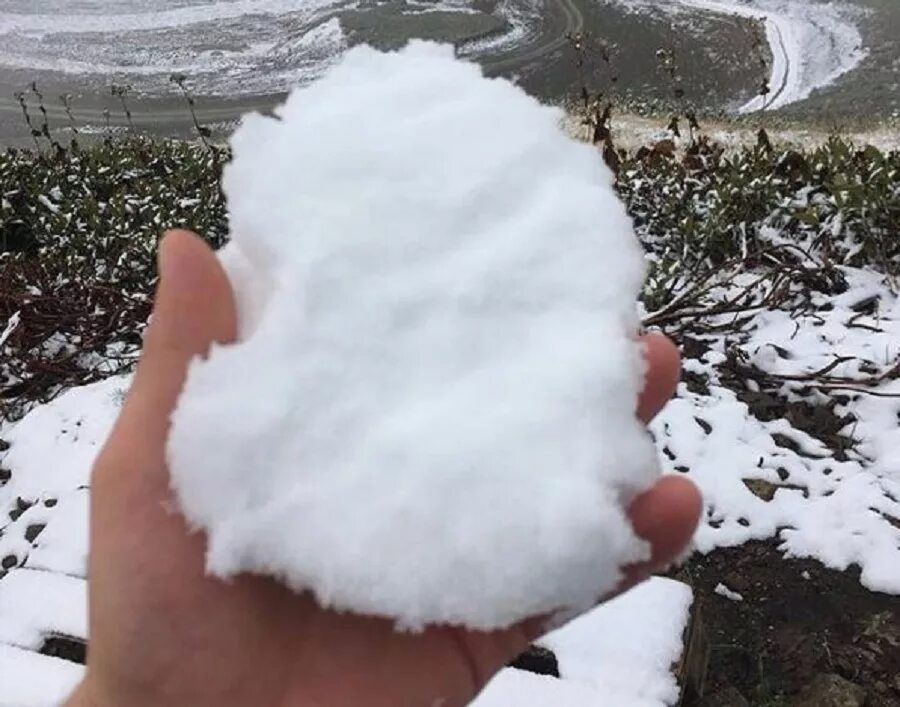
{"x": 164, "y": 633}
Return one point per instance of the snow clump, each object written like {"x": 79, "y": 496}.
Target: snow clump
{"x": 430, "y": 414}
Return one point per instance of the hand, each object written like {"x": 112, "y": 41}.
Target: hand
{"x": 163, "y": 633}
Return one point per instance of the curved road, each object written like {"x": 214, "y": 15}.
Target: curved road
{"x": 573, "y": 23}
{"x": 568, "y": 20}
{"x": 789, "y": 29}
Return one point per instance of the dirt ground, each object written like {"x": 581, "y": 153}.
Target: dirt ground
{"x": 798, "y": 622}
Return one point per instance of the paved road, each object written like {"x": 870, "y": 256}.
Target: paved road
{"x": 571, "y": 22}
{"x": 564, "y": 17}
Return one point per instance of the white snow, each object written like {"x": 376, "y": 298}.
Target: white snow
{"x": 840, "y": 511}
{"x": 51, "y": 453}
{"x": 36, "y": 604}
{"x": 436, "y": 388}
{"x": 50, "y": 457}
{"x": 622, "y": 653}
{"x": 48, "y": 462}
{"x": 30, "y": 679}
{"x": 723, "y": 591}
{"x": 225, "y": 47}
{"x": 629, "y": 645}
{"x": 11, "y": 325}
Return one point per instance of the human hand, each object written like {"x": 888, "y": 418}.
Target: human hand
{"x": 164, "y": 633}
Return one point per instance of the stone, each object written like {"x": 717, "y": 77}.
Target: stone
{"x": 539, "y": 660}
{"x": 32, "y": 531}
{"x": 761, "y": 488}
{"x": 831, "y": 690}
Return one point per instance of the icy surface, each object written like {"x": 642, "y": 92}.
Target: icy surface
{"x": 431, "y": 413}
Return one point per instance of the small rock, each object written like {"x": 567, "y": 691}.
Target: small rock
{"x": 831, "y": 690}
{"x": 5, "y": 475}
{"x": 783, "y": 440}
{"x": 539, "y": 660}
{"x": 21, "y": 506}
{"x": 728, "y": 697}
{"x": 32, "y": 531}
{"x": 9, "y": 562}
{"x": 4, "y": 445}
{"x": 761, "y": 488}
{"x": 50, "y": 502}
{"x": 65, "y": 647}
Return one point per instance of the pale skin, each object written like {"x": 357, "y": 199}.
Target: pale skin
{"x": 163, "y": 633}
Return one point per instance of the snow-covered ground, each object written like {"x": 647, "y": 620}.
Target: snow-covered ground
{"x": 764, "y": 479}
{"x": 761, "y": 479}
{"x": 244, "y": 47}
{"x": 226, "y": 47}
{"x": 633, "y": 132}
{"x": 625, "y": 648}
{"x": 812, "y": 43}
{"x": 621, "y": 654}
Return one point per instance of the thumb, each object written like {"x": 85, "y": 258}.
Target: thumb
{"x": 194, "y": 307}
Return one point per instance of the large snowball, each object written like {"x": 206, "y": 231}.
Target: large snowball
{"x": 430, "y": 415}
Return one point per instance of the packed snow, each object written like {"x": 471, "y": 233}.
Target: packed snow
{"x": 438, "y": 372}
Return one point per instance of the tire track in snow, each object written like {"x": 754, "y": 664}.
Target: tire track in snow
{"x": 569, "y": 21}
{"x": 812, "y": 43}
{"x": 784, "y": 79}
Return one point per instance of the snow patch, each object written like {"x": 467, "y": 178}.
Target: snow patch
{"x": 841, "y": 508}
{"x": 724, "y": 591}
{"x": 620, "y": 653}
